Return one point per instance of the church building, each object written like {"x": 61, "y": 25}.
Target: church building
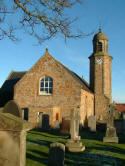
{"x": 49, "y": 88}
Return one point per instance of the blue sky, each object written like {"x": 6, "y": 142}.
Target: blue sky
{"x": 74, "y": 53}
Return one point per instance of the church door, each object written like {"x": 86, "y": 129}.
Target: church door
{"x": 57, "y": 116}
{"x": 45, "y": 121}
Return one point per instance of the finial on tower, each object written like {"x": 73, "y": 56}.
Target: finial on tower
{"x": 46, "y": 49}
{"x": 100, "y": 25}
{"x": 100, "y": 29}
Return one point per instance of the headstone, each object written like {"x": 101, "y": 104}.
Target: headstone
{"x": 45, "y": 122}
{"x": 13, "y": 140}
{"x": 13, "y": 108}
{"x": 124, "y": 122}
{"x": 92, "y": 123}
{"x": 56, "y": 154}
{"x": 40, "y": 120}
{"x": 111, "y": 131}
{"x": 1, "y": 109}
{"x": 56, "y": 124}
{"x": 65, "y": 126}
{"x": 74, "y": 124}
{"x": 74, "y": 144}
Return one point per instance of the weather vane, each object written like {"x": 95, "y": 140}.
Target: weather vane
{"x": 100, "y": 25}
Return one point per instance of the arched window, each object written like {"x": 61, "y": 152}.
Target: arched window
{"x": 99, "y": 47}
{"x": 46, "y": 85}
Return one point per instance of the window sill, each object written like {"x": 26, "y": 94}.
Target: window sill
{"x": 45, "y": 94}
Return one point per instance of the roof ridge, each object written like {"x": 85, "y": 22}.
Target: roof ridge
{"x": 18, "y": 71}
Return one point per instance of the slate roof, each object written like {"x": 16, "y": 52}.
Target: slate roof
{"x": 12, "y": 79}
{"x": 120, "y": 107}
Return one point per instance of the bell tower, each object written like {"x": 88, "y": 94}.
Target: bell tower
{"x": 100, "y": 74}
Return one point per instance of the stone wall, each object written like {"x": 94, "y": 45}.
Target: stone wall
{"x": 66, "y": 89}
{"x": 87, "y": 104}
{"x": 101, "y": 107}
{"x": 107, "y": 77}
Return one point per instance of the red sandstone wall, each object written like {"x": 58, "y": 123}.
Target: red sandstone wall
{"x": 101, "y": 107}
{"x": 87, "y": 104}
{"x": 66, "y": 90}
{"x": 107, "y": 74}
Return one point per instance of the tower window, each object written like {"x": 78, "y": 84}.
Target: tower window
{"x": 46, "y": 85}
{"x": 99, "y": 47}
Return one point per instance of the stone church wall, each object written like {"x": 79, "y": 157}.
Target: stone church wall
{"x": 87, "y": 105}
{"x": 66, "y": 90}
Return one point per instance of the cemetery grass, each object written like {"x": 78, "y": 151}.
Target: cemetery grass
{"x": 97, "y": 153}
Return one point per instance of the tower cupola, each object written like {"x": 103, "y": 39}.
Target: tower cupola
{"x": 100, "y": 42}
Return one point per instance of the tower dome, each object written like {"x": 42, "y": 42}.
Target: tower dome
{"x": 100, "y": 36}
{"x": 100, "y": 42}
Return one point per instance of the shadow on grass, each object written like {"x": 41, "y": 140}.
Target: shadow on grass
{"x": 98, "y": 135}
{"x": 43, "y": 159}
{"x": 86, "y": 134}
{"x": 39, "y": 142}
{"x": 54, "y": 133}
{"x": 89, "y": 159}
{"x": 107, "y": 148}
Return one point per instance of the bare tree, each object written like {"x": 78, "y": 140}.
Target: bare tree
{"x": 43, "y": 19}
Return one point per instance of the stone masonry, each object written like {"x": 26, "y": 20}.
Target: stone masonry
{"x": 66, "y": 91}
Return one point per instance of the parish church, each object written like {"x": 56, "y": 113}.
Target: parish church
{"x": 49, "y": 88}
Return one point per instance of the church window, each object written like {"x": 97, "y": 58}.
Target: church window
{"x": 99, "y": 47}
{"x": 46, "y": 85}
{"x": 26, "y": 114}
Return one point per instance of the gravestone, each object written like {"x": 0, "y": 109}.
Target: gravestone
{"x": 124, "y": 122}
{"x": 74, "y": 144}
{"x": 65, "y": 126}
{"x": 92, "y": 123}
{"x": 56, "y": 124}
{"x": 45, "y": 122}
{"x": 56, "y": 154}
{"x": 111, "y": 130}
{"x": 13, "y": 108}
{"x": 13, "y": 140}
{"x": 1, "y": 109}
{"x": 40, "y": 120}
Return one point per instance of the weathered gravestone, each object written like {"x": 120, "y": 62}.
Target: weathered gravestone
{"x": 40, "y": 120}
{"x": 111, "y": 131}
{"x": 56, "y": 124}
{"x": 13, "y": 140}
{"x": 92, "y": 123}
{"x": 74, "y": 144}
{"x": 13, "y": 108}
{"x": 124, "y": 122}
{"x": 65, "y": 126}
{"x": 56, "y": 154}
{"x": 1, "y": 109}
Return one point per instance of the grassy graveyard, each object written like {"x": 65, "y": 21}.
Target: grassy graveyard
{"x": 97, "y": 153}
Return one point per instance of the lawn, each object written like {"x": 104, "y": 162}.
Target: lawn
{"x": 97, "y": 153}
